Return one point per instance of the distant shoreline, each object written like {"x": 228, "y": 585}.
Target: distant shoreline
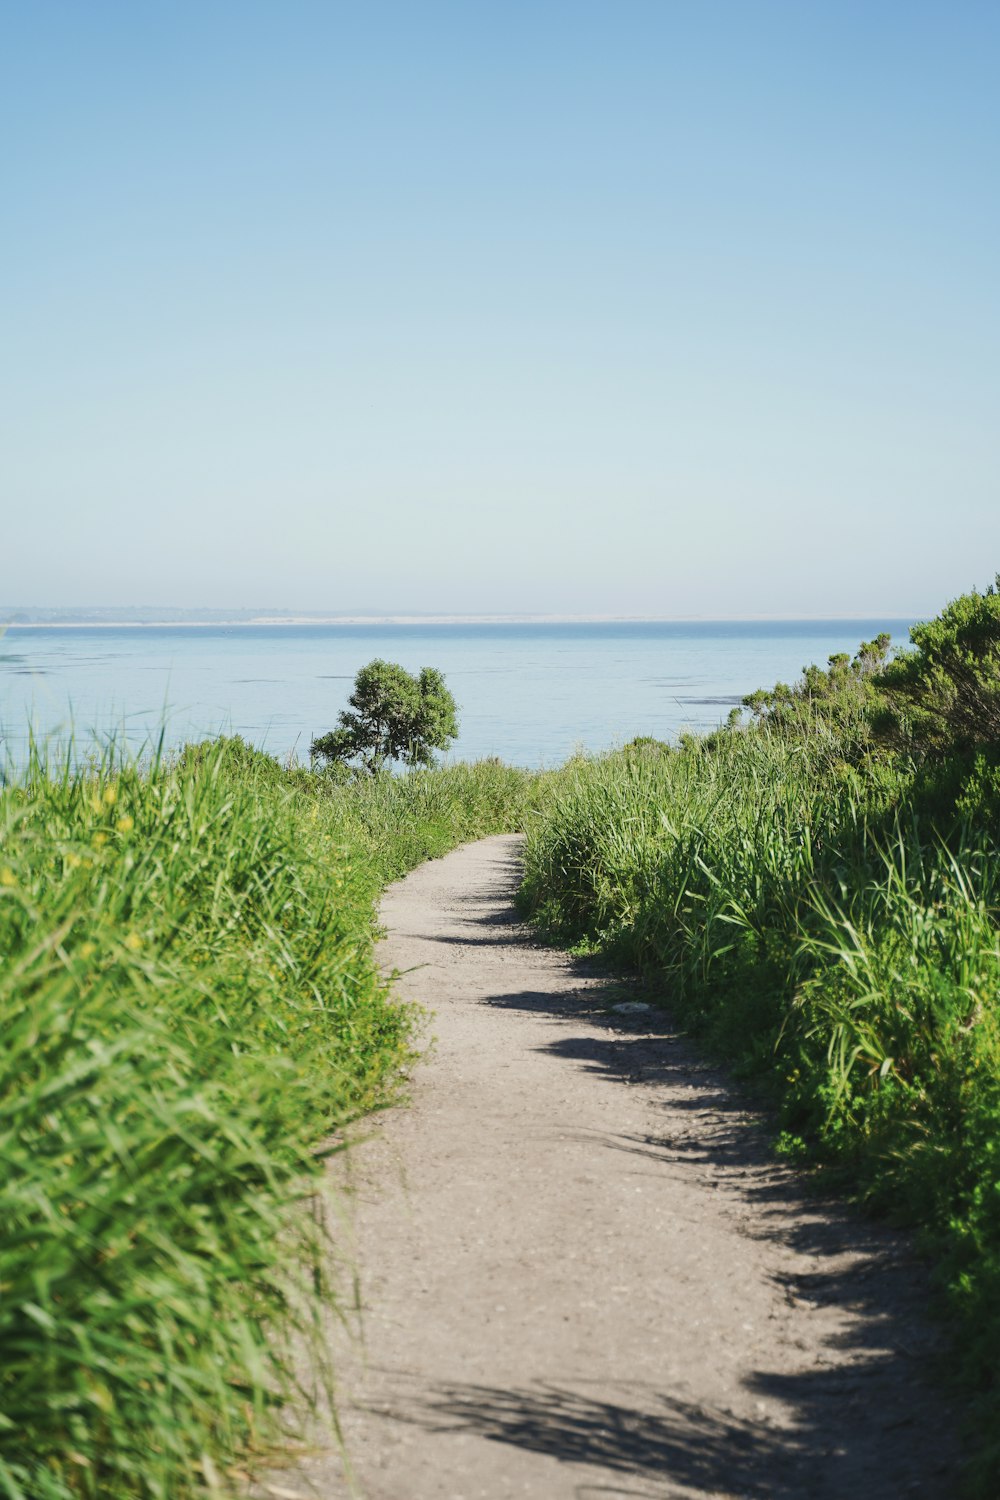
{"x": 457, "y": 620}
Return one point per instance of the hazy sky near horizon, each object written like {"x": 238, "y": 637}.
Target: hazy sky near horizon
{"x": 636, "y": 306}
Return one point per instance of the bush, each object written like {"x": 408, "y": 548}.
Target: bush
{"x": 943, "y": 695}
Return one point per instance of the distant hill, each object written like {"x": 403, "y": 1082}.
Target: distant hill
{"x": 136, "y": 614}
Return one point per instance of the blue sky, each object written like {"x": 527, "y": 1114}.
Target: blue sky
{"x": 613, "y": 308}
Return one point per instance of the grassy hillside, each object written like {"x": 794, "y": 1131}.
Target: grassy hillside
{"x": 818, "y": 894}
{"x": 188, "y": 1006}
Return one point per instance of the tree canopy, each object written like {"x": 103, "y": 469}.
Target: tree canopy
{"x": 393, "y": 716}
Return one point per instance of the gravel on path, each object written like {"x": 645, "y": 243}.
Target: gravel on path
{"x": 583, "y": 1274}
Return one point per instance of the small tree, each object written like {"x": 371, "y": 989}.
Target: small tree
{"x": 393, "y": 716}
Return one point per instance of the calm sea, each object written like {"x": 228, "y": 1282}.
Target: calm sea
{"x": 529, "y": 693}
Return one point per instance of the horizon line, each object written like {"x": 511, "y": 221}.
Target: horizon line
{"x": 450, "y": 619}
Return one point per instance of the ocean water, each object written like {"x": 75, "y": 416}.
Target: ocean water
{"x": 530, "y": 693}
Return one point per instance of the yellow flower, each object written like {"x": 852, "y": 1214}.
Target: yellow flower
{"x": 133, "y": 942}
{"x": 7, "y": 876}
{"x": 87, "y": 950}
{"x": 99, "y": 840}
{"x": 110, "y": 796}
{"x": 126, "y": 824}
{"x": 73, "y": 861}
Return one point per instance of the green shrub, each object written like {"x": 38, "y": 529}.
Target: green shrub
{"x": 943, "y": 695}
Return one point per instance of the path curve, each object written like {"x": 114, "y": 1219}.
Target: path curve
{"x": 583, "y": 1276}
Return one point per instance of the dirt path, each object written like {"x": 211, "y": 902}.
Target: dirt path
{"x": 584, "y": 1278}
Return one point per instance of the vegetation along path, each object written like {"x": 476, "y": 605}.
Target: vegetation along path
{"x": 584, "y": 1275}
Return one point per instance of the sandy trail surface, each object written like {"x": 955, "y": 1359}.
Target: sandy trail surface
{"x": 584, "y": 1277}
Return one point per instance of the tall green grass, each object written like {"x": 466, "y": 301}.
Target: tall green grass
{"x": 834, "y": 931}
{"x": 189, "y": 1007}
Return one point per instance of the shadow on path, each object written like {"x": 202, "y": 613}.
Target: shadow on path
{"x": 863, "y": 1418}
{"x": 663, "y": 1441}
